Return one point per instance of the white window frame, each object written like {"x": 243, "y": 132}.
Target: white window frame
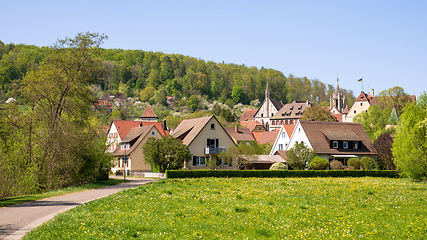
{"x": 199, "y": 160}
{"x": 335, "y": 144}
{"x": 345, "y": 145}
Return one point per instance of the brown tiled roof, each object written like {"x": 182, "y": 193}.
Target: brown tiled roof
{"x": 188, "y": 129}
{"x": 148, "y": 113}
{"x": 278, "y": 105}
{"x": 248, "y": 115}
{"x": 338, "y": 117}
{"x": 251, "y": 124}
{"x": 320, "y": 134}
{"x": 134, "y": 137}
{"x": 281, "y": 153}
{"x": 242, "y": 134}
{"x": 265, "y": 137}
{"x": 346, "y": 110}
{"x": 292, "y": 110}
{"x": 123, "y": 126}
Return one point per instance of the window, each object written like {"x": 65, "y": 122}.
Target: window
{"x": 153, "y": 133}
{"x": 212, "y": 126}
{"x": 125, "y": 146}
{"x": 283, "y": 135}
{"x": 199, "y": 161}
{"x": 356, "y": 145}
{"x": 354, "y": 111}
{"x": 345, "y": 144}
{"x": 335, "y": 144}
{"x": 262, "y": 114}
{"x": 280, "y": 146}
{"x": 272, "y": 114}
{"x": 361, "y": 104}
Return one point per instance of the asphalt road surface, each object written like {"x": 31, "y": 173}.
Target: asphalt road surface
{"x": 19, "y": 219}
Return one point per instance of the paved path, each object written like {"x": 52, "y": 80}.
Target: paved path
{"x": 17, "y": 220}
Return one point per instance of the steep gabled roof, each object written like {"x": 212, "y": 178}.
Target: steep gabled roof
{"x": 321, "y": 133}
{"x": 188, "y": 129}
{"x": 135, "y": 136}
{"x": 148, "y": 113}
{"x": 289, "y": 129}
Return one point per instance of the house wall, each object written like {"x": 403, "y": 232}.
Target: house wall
{"x": 197, "y": 147}
{"x": 358, "y": 107}
{"x": 137, "y": 162}
{"x": 298, "y": 136}
{"x": 113, "y": 138}
{"x": 282, "y": 138}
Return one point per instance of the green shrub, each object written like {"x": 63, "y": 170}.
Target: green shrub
{"x": 277, "y": 173}
{"x": 367, "y": 163}
{"x": 279, "y": 166}
{"x": 336, "y": 165}
{"x": 319, "y": 163}
{"x": 354, "y": 163}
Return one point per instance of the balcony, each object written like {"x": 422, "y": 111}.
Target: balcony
{"x": 213, "y": 150}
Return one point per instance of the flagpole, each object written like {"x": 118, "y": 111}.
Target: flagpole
{"x": 361, "y": 80}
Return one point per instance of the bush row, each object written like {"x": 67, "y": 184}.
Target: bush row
{"x": 278, "y": 173}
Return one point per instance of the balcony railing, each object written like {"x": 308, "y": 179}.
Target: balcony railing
{"x": 212, "y": 150}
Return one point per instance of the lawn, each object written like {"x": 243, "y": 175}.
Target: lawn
{"x": 251, "y": 208}
{"x": 58, "y": 192}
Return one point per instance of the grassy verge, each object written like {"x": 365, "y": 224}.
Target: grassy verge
{"x": 28, "y": 198}
{"x": 251, "y": 208}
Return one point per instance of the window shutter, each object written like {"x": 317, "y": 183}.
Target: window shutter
{"x": 194, "y": 161}
{"x": 216, "y": 143}
{"x": 208, "y": 142}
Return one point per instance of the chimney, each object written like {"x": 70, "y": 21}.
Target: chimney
{"x": 236, "y": 129}
{"x": 372, "y": 92}
{"x": 164, "y": 125}
{"x": 140, "y": 124}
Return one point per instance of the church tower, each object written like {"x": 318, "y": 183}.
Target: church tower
{"x": 337, "y": 104}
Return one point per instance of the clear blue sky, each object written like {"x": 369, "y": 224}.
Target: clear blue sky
{"x": 385, "y": 42}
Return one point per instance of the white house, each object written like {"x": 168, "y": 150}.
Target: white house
{"x": 282, "y": 139}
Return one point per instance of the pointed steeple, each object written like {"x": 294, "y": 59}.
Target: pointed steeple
{"x": 338, "y": 85}
{"x": 267, "y": 91}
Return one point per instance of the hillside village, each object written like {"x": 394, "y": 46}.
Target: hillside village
{"x": 273, "y": 123}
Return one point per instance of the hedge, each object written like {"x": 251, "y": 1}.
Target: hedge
{"x": 279, "y": 173}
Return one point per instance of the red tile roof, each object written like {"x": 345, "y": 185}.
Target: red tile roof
{"x": 123, "y": 127}
{"x": 265, "y": 137}
{"x": 251, "y": 124}
{"x": 248, "y": 115}
{"x": 135, "y": 135}
{"x": 148, "y": 113}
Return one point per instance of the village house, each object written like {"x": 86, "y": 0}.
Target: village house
{"x": 131, "y": 147}
{"x": 283, "y": 138}
{"x": 334, "y": 140}
{"x": 206, "y": 138}
{"x": 240, "y": 135}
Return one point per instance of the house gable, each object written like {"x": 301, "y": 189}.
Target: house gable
{"x": 283, "y": 138}
{"x": 298, "y": 136}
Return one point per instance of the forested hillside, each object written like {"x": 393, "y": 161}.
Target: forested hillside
{"x": 152, "y": 76}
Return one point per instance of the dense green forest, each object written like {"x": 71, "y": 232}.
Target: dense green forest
{"x": 152, "y": 76}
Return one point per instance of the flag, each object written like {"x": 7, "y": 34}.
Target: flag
{"x": 360, "y": 80}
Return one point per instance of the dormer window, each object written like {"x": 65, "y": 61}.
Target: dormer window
{"x": 125, "y": 146}
{"x": 335, "y": 144}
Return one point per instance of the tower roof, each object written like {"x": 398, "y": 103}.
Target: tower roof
{"x": 148, "y": 113}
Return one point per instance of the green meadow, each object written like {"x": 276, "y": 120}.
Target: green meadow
{"x": 251, "y": 208}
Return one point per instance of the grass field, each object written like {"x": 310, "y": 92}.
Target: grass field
{"x": 251, "y": 208}
{"x": 59, "y": 192}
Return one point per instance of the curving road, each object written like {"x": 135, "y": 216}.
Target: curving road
{"x": 17, "y": 220}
